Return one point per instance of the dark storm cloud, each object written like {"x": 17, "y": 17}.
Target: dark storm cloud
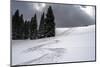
{"x": 69, "y": 15}
{"x": 23, "y": 8}
{"x": 65, "y": 15}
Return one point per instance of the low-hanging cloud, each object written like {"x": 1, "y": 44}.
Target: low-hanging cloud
{"x": 65, "y": 15}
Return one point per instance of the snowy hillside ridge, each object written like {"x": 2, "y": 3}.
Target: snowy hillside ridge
{"x": 90, "y": 28}
{"x": 69, "y": 45}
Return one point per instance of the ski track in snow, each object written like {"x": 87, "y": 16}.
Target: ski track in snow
{"x": 50, "y": 40}
{"x": 39, "y": 46}
{"x": 52, "y": 54}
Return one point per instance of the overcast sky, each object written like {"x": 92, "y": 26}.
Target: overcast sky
{"x": 65, "y": 15}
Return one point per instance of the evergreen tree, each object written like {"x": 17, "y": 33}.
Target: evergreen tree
{"x": 15, "y": 24}
{"x": 28, "y": 24}
{"x": 13, "y": 28}
{"x": 33, "y": 27}
{"x": 21, "y": 26}
{"x": 26, "y": 33}
{"x": 50, "y": 24}
{"x": 41, "y": 27}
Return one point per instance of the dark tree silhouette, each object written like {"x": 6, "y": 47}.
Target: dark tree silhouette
{"x": 13, "y": 28}
{"x": 28, "y": 29}
{"x": 41, "y": 27}
{"x": 50, "y": 24}
{"x": 21, "y": 27}
{"x": 28, "y": 26}
{"x": 15, "y": 24}
{"x": 33, "y": 27}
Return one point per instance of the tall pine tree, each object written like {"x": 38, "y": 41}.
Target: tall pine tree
{"x": 50, "y": 24}
{"x": 33, "y": 27}
{"x": 15, "y": 25}
{"x": 21, "y": 26}
{"x": 41, "y": 27}
{"x": 25, "y": 30}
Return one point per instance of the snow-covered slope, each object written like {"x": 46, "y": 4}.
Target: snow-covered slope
{"x": 69, "y": 45}
{"x": 61, "y": 31}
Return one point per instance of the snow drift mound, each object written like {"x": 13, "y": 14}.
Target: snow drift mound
{"x": 75, "y": 30}
{"x": 69, "y": 45}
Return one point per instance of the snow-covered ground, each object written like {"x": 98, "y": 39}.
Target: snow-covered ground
{"x": 69, "y": 45}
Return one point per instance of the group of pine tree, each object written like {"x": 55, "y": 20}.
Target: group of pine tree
{"x": 28, "y": 29}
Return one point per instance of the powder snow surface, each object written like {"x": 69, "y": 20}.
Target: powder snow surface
{"x": 69, "y": 45}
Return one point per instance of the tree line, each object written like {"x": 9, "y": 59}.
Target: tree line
{"x": 28, "y": 29}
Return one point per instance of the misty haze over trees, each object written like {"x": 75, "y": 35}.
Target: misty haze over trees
{"x": 28, "y": 29}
